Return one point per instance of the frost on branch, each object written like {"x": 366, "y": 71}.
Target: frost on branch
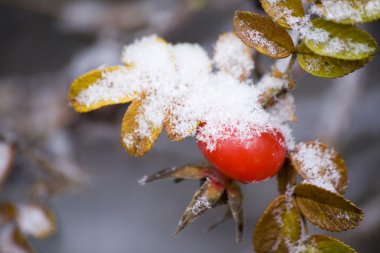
{"x": 174, "y": 86}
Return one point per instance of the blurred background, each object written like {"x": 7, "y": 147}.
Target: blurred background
{"x": 46, "y": 44}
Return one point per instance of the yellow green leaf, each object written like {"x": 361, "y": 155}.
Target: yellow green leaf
{"x": 320, "y": 165}
{"x": 263, "y": 34}
{"x": 282, "y": 10}
{"x": 324, "y": 66}
{"x": 83, "y": 100}
{"x": 280, "y": 224}
{"x": 326, "y": 244}
{"x": 348, "y": 11}
{"x": 136, "y": 143}
{"x": 345, "y": 42}
{"x": 325, "y": 209}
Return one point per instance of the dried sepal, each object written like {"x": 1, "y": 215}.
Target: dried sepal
{"x": 281, "y": 11}
{"x": 324, "y": 243}
{"x": 348, "y": 11}
{"x": 232, "y": 56}
{"x": 12, "y": 240}
{"x": 204, "y": 199}
{"x": 346, "y": 42}
{"x": 185, "y": 172}
{"x": 235, "y": 202}
{"x": 36, "y": 220}
{"x": 90, "y": 103}
{"x": 227, "y": 216}
{"x": 326, "y": 209}
{"x": 262, "y": 34}
{"x": 320, "y": 165}
{"x": 278, "y": 228}
{"x": 135, "y": 143}
{"x": 324, "y": 66}
{"x": 7, "y": 155}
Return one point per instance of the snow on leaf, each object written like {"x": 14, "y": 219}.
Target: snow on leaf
{"x": 36, "y": 220}
{"x": 7, "y": 154}
{"x": 280, "y": 11}
{"x": 324, "y": 243}
{"x": 178, "y": 130}
{"x": 137, "y": 134}
{"x": 344, "y": 42}
{"x": 326, "y": 209}
{"x": 173, "y": 86}
{"x": 278, "y": 229}
{"x": 324, "y": 66}
{"x": 262, "y": 34}
{"x": 233, "y": 56}
{"x": 102, "y": 87}
{"x": 348, "y": 11}
{"x": 320, "y": 166}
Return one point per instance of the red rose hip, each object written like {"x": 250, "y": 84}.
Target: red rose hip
{"x": 252, "y": 160}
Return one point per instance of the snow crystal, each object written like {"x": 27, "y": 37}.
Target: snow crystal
{"x": 343, "y": 216}
{"x": 372, "y": 7}
{"x": 289, "y": 196}
{"x": 284, "y": 109}
{"x": 273, "y": 2}
{"x": 318, "y": 166}
{"x": 338, "y": 10}
{"x": 268, "y": 81}
{"x": 199, "y": 205}
{"x": 142, "y": 181}
{"x": 259, "y": 38}
{"x": 33, "y": 220}
{"x": 233, "y": 56}
{"x": 113, "y": 86}
{"x": 306, "y": 29}
{"x": 335, "y": 45}
{"x": 176, "y": 84}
